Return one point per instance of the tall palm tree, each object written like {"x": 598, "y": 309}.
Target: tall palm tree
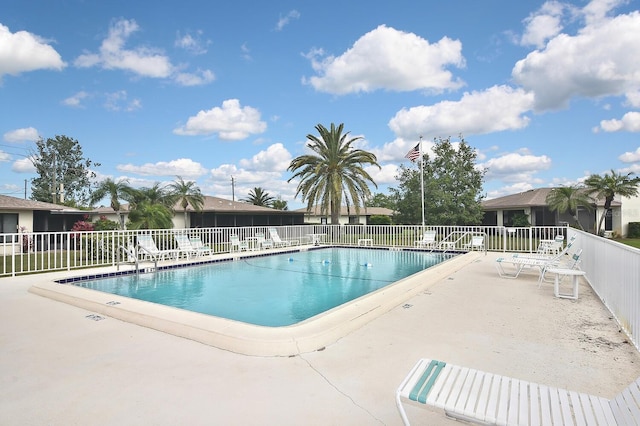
{"x": 608, "y": 186}
{"x": 567, "y": 199}
{"x": 259, "y": 197}
{"x": 186, "y": 193}
{"x": 115, "y": 191}
{"x": 335, "y": 171}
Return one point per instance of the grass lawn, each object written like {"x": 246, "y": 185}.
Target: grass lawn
{"x": 633, "y": 242}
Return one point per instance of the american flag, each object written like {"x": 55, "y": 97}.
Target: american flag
{"x": 414, "y": 153}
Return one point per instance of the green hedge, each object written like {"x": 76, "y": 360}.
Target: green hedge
{"x": 634, "y": 230}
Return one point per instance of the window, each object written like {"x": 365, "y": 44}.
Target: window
{"x": 323, "y": 220}
{"x": 8, "y": 225}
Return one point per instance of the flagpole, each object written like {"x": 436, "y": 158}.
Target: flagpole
{"x": 422, "y": 181}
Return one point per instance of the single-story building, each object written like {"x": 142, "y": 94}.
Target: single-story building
{"x": 20, "y": 215}
{"x": 501, "y": 212}
{"x": 348, "y": 215}
{"x": 218, "y": 212}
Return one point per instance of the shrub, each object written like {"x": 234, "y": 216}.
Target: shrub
{"x": 379, "y": 220}
{"x": 104, "y": 224}
{"x": 634, "y": 230}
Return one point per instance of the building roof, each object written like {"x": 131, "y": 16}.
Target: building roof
{"x": 13, "y": 203}
{"x": 364, "y": 211}
{"x": 531, "y": 198}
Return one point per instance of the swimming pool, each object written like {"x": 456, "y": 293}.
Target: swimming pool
{"x": 276, "y": 290}
{"x": 239, "y": 337}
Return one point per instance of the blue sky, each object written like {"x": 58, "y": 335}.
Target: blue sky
{"x": 546, "y": 92}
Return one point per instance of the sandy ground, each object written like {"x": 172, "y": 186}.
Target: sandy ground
{"x": 58, "y": 367}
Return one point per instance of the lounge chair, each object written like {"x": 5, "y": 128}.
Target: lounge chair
{"x": 237, "y": 245}
{"x": 184, "y": 245}
{"x": 489, "y": 399}
{"x": 476, "y": 243}
{"x": 278, "y": 242}
{"x": 200, "y": 247}
{"x": 428, "y": 240}
{"x": 519, "y": 263}
{"x": 551, "y": 246}
{"x": 147, "y": 249}
{"x": 262, "y": 242}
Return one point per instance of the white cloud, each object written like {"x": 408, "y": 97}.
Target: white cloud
{"x": 192, "y": 43}
{"x": 630, "y": 122}
{"x": 543, "y": 24}
{"x": 231, "y": 122}
{"x": 630, "y": 157}
{"x": 184, "y": 167}
{"x": 76, "y": 100}
{"x": 633, "y": 99}
{"x": 602, "y": 59}
{"x": 385, "y": 175}
{"x": 143, "y": 61}
{"x": 276, "y": 158}
{"x": 23, "y": 165}
{"x": 26, "y": 134}
{"x": 495, "y": 109}
{"x": 118, "y": 101}
{"x": 22, "y": 52}
{"x": 285, "y": 20}
{"x": 198, "y": 78}
{"x": 388, "y": 59}
{"x": 597, "y": 10}
{"x": 515, "y": 167}
{"x": 4, "y": 157}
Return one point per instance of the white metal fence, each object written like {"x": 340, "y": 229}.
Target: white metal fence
{"x": 613, "y": 271}
{"x": 24, "y": 253}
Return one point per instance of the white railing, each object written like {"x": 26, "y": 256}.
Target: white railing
{"x": 613, "y": 271}
{"x": 24, "y": 253}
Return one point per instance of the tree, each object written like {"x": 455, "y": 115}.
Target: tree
{"x": 186, "y": 193}
{"x": 259, "y": 197}
{"x": 150, "y": 216}
{"x": 567, "y": 199}
{"x": 116, "y": 191}
{"x": 608, "y": 186}
{"x": 381, "y": 200}
{"x": 64, "y": 175}
{"x": 280, "y": 204}
{"x": 150, "y": 208}
{"x": 452, "y": 187}
{"x": 150, "y": 195}
{"x": 334, "y": 172}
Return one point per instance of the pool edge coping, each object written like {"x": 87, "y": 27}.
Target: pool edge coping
{"x": 308, "y": 336}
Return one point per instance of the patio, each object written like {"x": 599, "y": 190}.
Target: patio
{"x": 60, "y": 367}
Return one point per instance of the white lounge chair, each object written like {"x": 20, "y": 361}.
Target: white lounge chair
{"x": 278, "y": 242}
{"x": 147, "y": 249}
{"x": 490, "y": 399}
{"x": 428, "y": 240}
{"x": 237, "y": 245}
{"x": 519, "y": 263}
{"x": 551, "y": 246}
{"x": 476, "y": 243}
{"x": 184, "y": 245}
{"x": 262, "y": 242}
{"x": 200, "y": 248}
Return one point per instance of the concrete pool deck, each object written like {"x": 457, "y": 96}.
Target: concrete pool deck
{"x": 61, "y": 367}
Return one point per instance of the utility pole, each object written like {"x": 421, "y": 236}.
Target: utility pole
{"x": 55, "y": 183}
{"x": 233, "y": 189}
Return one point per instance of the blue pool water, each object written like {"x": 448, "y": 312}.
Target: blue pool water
{"x": 275, "y": 290}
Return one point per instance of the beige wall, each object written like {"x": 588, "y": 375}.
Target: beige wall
{"x": 630, "y": 212}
